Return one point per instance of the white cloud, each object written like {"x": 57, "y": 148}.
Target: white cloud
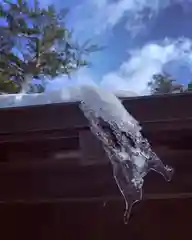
{"x": 81, "y": 77}
{"x": 134, "y": 74}
{"x": 137, "y": 71}
{"x": 99, "y": 15}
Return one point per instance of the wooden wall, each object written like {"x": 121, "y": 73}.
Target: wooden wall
{"x": 55, "y": 178}
{"x": 157, "y": 219}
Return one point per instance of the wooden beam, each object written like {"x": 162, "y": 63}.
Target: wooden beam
{"x": 68, "y": 115}
{"x": 37, "y": 180}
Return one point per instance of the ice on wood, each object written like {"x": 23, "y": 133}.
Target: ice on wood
{"x": 130, "y": 154}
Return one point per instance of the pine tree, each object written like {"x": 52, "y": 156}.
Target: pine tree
{"x": 163, "y": 83}
{"x": 42, "y": 46}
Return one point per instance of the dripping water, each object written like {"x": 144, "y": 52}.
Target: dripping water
{"x": 129, "y": 152}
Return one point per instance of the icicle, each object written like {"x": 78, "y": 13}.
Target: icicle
{"x": 130, "y": 154}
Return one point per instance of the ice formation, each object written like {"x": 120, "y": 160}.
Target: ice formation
{"x": 129, "y": 152}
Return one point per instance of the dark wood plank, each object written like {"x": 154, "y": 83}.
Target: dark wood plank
{"x": 170, "y": 219}
{"x": 68, "y": 115}
{"x": 54, "y": 180}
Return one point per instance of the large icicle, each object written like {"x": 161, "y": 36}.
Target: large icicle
{"x": 130, "y": 154}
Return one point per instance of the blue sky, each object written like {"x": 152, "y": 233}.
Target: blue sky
{"x": 143, "y": 37}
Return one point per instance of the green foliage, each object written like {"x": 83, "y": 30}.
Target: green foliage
{"x": 7, "y": 86}
{"x": 43, "y": 46}
{"x": 189, "y": 87}
{"x": 163, "y": 83}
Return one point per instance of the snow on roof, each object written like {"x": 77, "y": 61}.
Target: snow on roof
{"x": 68, "y": 94}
